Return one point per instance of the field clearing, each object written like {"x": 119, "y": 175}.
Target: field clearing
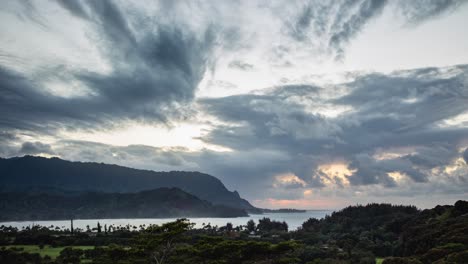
{"x": 52, "y": 252}
{"x": 379, "y": 260}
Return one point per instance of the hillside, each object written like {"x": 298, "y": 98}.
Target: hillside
{"x": 38, "y": 173}
{"x": 158, "y": 203}
{"x": 438, "y": 235}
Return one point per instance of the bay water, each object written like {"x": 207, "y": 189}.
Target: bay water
{"x": 294, "y": 220}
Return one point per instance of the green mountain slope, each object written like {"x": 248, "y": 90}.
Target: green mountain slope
{"x": 37, "y": 173}
{"x": 158, "y": 203}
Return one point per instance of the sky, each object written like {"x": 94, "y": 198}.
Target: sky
{"x": 304, "y": 104}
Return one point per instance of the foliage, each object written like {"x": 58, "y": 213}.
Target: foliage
{"x": 356, "y": 234}
{"x": 162, "y": 202}
{"x": 266, "y": 225}
{"x": 55, "y": 176}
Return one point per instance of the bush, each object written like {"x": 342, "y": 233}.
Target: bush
{"x": 401, "y": 261}
{"x": 458, "y": 257}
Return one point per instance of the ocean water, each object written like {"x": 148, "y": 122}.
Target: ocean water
{"x": 294, "y": 220}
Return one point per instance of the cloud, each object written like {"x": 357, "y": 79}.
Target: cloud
{"x": 330, "y": 26}
{"x": 36, "y": 148}
{"x": 465, "y": 155}
{"x": 289, "y": 181}
{"x": 388, "y": 137}
{"x": 416, "y": 12}
{"x": 74, "y": 7}
{"x": 402, "y": 109}
{"x": 240, "y": 65}
{"x": 7, "y": 139}
{"x": 335, "y": 22}
{"x": 152, "y": 73}
{"x": 370, "y": 171}
{"x": 378, "y": 134}
{"x": 135, "y": 156}
{"x": 344, "y": 30}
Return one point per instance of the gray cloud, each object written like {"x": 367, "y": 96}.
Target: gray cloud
{"x": 388, "y": 111}
{"x": 371, "y": 171}
{"x": 416, "y": 12}
{"x": 432, "y": 156}
{"x": 237, "y": 64}
{"x": 338, "y": 22}
{"x": 76, "y": 8}
{"x": 344, "y": 30}
{"x": 138, "y": 156}
{"x": 36, "y": 148}
{"x": 465, "y": 155}
{"x": 158, "y": 58}
{"x": 152, "y": 74}
{"x": 7, "y": 140}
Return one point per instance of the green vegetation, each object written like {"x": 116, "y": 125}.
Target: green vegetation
{"x": 60, "y": 177}
{"x": 375, "y": 233}
{"x": 157, "y": 203}
{"x": 46, "y": 250}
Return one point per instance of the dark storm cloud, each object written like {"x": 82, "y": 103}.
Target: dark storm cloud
{"x": 276, "y": 119}
{"x": 26, "y": 108}
{"x": 165, "y": 64}
{"x": 35, "y": 148}
{"x": 151, "y": 75}
{"x": 388, "y": 111}
{"x": 433, "y": 155}
{"x": 371, "y": 171}
{"x": 7, "y": 140}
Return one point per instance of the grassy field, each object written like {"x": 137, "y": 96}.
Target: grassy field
{"x": 379, "y": 260}
{"x": 52, "y": 252}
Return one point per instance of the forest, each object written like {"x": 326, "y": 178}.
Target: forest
{"x": 157, "y": 203}
{"x": 372, "y": 233}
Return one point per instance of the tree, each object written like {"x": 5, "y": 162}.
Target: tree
{"x": 312, "y": 224}
{"x": 229, "y": 227}
{"x": 70, "y": 256}
{"x": 251, "y": 226}
{"x": 160, "y": 241}
{"x": 396, "y": 260}
{"x": 267, "y": 225}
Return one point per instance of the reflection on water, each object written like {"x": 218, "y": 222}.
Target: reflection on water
{"x": 294, "y": 220}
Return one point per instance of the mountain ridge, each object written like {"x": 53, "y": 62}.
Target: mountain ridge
{"x": 156, "y": 203}
{"x": 22, "y": 173}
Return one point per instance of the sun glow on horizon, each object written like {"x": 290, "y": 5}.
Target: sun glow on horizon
{"x": 297, "y": 203}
